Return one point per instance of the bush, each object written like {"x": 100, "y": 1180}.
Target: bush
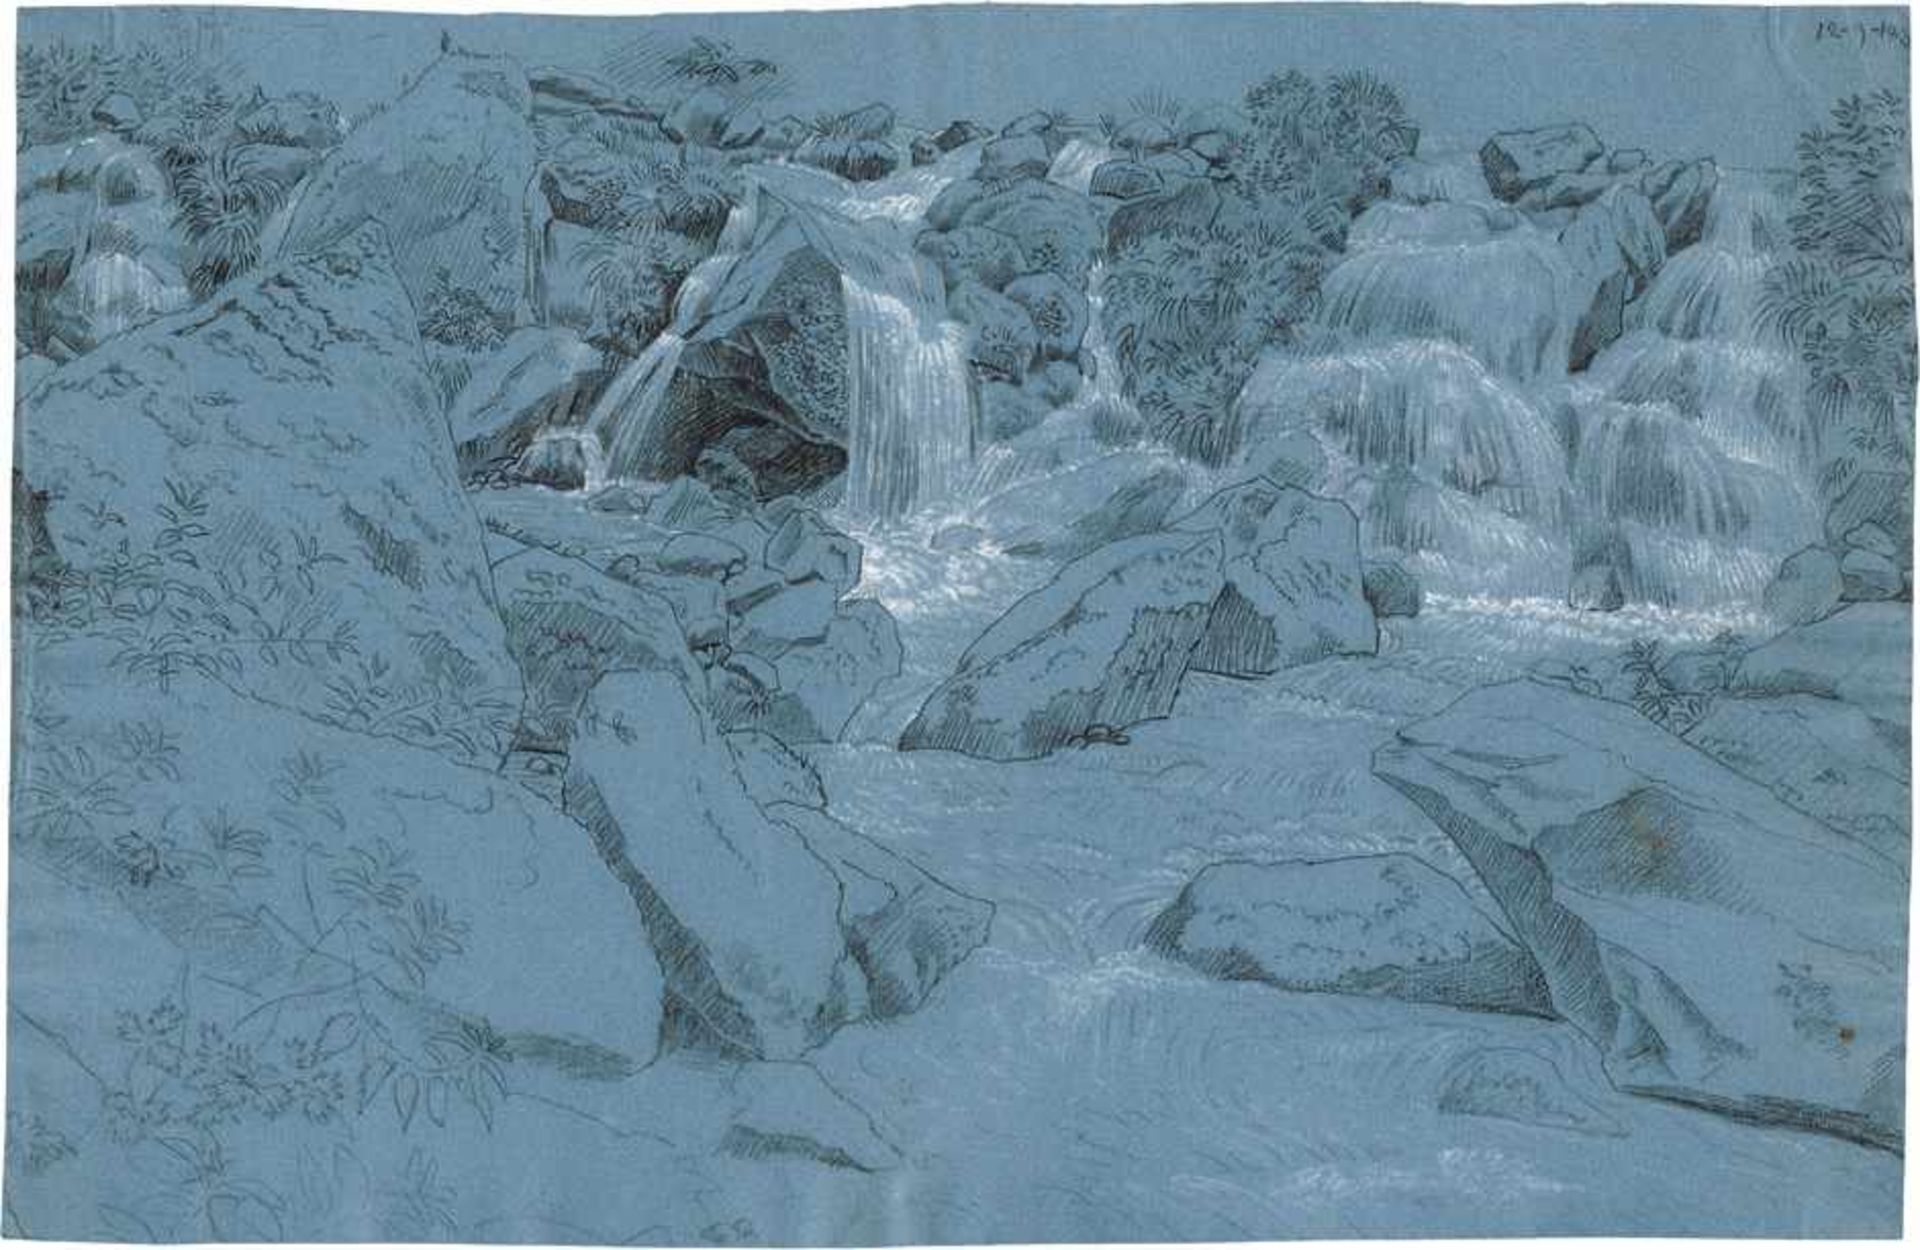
{"x": 1189, "y": 310}
{"x": 1845, "y": 298}
{"x": 222, "y": 203}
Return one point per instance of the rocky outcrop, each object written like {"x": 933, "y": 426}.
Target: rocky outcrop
{"x": 445, "y": 172}
{"x": 1721, "y": 948}
{"x": 1258, "y": 578}
{"x": 319, "y": 557}
{"x": 773, "y": 926}
{"x": 1389, "y": 926}
{"x": 1517, "y": 161}
{"x": 1806, "y": 588}
{"x": 1860, "y": 655}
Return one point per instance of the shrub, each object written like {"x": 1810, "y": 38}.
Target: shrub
{"x": 459, "y": 316}
{"x": 222, "y": 203}
{"x": 1844, "y": 300}
{"x": 1190, "y": 309}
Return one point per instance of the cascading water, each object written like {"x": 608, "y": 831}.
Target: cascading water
{"x": 1453, "y": 426}
{"x": 1691, "y": 435}
{"x": 909, "y": 419}
{"x": 625, "y": 421}
{"x": 910, "y": 411}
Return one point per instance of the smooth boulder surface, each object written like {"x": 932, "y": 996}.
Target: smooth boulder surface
{"x": 1831, "y": 761}
{"x": 1258, "y": 578}
{"x": 1721, "y": 948}
{"x": 1861, "y": 655}
{"x": 1293, "y": 581}
{"x": 1807, "y": 587}
{"x": 1386, "y": 925}
{"x": 445, "y": 172}
{"x": 774, "y": 924}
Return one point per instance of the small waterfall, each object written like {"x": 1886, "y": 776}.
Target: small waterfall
{"x": 909, "y": 400}
{"x": 624, "y": 421}
{"x": 1691, "y": 433}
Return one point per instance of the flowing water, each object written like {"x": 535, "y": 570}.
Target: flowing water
{"x": 1458, "y": 433}
{"x": 910, "y": 412}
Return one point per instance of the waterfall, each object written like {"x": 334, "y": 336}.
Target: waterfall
{"x": 909, "y": 398}
{"x": 1442, "y": 399}
{"x": 625, "y": 420}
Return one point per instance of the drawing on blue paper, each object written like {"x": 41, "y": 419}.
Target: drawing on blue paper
{"x": 960, "y": 625}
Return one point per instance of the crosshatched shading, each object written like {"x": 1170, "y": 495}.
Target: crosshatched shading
{"x": 918, "y": 626}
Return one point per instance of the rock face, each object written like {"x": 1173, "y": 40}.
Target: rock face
{"x": 771, "y": 930}
{"x": 1721, "y": 948}
{"x": 1861, "y": 655}
{"x": 1806, "y": 588}
{"x": 1390, "y": 926}
{"x": 447, "y": 172}
{"x": 1105, "y": 645}
{"x": 393, "y": 834}
{"x": 314, "y": 552}
{"x": 1258, "y": 578}
{"x": 1516, "y": 161}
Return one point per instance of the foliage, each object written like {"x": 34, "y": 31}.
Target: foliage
{"x": 1191, "y": 308}
{"x": 1667, "y": 702}
{"x": 459, "y": 316}
{"x": 223, "y": 201}
{"x": 633, "y": 275}
{"x": 714, "y": 61}
{"x": 1188, "y": 313}
{"x": 1844, "y": 299}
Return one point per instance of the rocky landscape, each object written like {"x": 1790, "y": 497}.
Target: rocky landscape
{"x": 599, "y": 662}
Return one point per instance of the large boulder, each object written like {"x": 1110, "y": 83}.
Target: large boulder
{"x": 1293, "y": 582}
{"x": 1385, "y": 925}
{"x": 809, "y": 690}
{"x": 1829, "y": 760}
{"x": 447, "y": 170}
{"x": 1103, "y": 646}
{"x": 1720, "y": 947}
{"x": 1870, "y": 575}
{"x": 1617, "y": 245}
{"x": 1057, "y": 310}
{"x": 1681, "y": 192}
{"x": 1862, "y": 655}
{"x": 1256, "y": 579}
{"x": 265, "y": 493}
{"x": 771, "y": 933}
{"x": 539, "y": 378}
{"x": 1806, "y": 588}
{"x": 1516, "y": 161}
{"x": 1056, "y": 229}
{"x": 275, "y": 852}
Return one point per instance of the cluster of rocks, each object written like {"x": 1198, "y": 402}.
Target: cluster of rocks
{"x": 1715, "y": 899}
{"x": 1167, "y": 176}
{"x": 1618, "y": 214}
{"x": 1015, "y": 251}
{"x": 1257, "y": 579}
{"x": 656, "y": 680}
{"x": 1867, "y": 555}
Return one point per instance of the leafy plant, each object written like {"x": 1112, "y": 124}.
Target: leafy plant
{"x": 1844, "y": 299}
{"x": 459, "y": 316}
{"x": 714, "y": 61}
{"x": 224, "y": 199}
{"x": 1655, "y": 696}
